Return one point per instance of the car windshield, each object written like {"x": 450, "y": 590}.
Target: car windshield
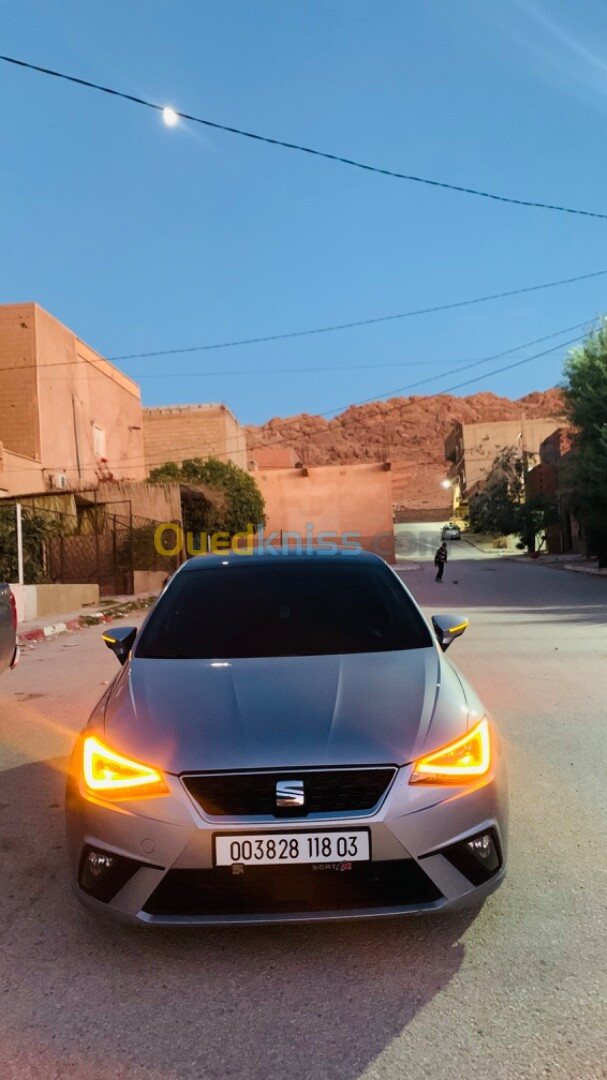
{"x": 283, "y": 608}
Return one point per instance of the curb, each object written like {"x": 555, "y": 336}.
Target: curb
{"x": 577, "y": 569}
{"x": 46, "y": 633}
{"x": 41, "y": 633}
{"x": 549, "y": 563}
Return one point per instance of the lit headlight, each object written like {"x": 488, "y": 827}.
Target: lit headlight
{"x": 111, "y": 775}
{"x": 458, "y": 762}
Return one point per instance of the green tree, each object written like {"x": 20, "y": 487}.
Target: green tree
{"x": 237, "y": 500}
{"x": 501, "y": 508}
{"x": 495, "y": 509}
{"x": 585, "y": 391}
{"x": 37, "y": 528}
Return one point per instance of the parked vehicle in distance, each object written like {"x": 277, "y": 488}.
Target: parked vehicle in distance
{"x": 286, "y": 741}
{"x": 9, "y": 652}
{"x": 451, "y": 532}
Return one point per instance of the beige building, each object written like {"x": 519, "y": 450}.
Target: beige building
{"x": 472, "y": 448}
{"x": 179, "y": 432}
{"x": 355, "y": 499}
{"x": 67, "y": 416}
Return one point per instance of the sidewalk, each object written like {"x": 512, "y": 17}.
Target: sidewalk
{"x": 587, "y": 567}
{"x": 577, "y": 563}
{"x": 486, "y": 544}
{"x": 108, "y": 609}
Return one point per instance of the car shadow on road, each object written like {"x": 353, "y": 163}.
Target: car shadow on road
{"x": 89, "y": 998}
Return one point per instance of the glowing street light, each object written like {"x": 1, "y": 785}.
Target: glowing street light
{"x": 169, "y": 116}
{"x": 445, "y": 483}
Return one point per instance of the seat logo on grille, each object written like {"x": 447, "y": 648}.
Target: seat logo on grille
{"x": 290, "y": 793}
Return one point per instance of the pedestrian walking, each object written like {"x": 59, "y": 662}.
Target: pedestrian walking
{"x": 439, "y": 561}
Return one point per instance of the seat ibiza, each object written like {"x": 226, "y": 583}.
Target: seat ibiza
{"x": 286, "y": 740}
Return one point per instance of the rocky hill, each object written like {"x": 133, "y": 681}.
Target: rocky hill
{"x": 408, "y": 431}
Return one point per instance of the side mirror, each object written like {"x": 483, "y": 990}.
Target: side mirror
{"x": 448, "y": 627}
{"x": 120, "y": 641}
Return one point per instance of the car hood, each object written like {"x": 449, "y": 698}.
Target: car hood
{"x": 372, "y": 708}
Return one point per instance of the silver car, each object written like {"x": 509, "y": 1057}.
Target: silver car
{"x": 451, "y": 531}
{"x": 286, "y": 740}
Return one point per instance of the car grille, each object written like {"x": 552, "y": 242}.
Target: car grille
{"x": 327, "y": 791}
{"x": 291, "y": 889}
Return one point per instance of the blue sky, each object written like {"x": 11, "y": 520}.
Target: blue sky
{"x": 142, "y": 237}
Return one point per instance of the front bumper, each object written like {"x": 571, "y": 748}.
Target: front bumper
{"x": 165, "y": 849}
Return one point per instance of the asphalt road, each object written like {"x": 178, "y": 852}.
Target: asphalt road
{"x": 515, "y": 990}
{"x": 418, "y": 540}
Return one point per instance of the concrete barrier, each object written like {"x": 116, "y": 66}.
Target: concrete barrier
{"x": 37, "y": 601}
{"x": 149, "y": 580}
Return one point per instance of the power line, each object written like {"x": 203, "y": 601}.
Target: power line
{"x": 452, "y": 365}
{"x": 346, "y": 369}
{"x": 443, "y": 390}
{"x": 199, "y": 449}
{"x": 361, "y": 322}
{"x": 457, "y": 386}
{"x": 466, "y": 367}
{"x": 351, "y": 162}
{"x": 420, "y": 382}
{"x": 359, "y": 367}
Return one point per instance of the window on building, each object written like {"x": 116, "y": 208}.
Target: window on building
{"x": 99, "y": 446}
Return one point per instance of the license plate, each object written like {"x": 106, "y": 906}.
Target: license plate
{"x": 276, "y": 848}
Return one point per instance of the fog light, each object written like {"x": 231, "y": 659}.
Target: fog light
{"x": 102, "y": 875}
{"x": 478, "y": 858}
{"x": 481, "y": 845}
{"x": 484, "y": 849}
{"x": 96, "y": 863}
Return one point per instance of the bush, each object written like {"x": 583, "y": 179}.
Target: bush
{"x": 230, "y": 500}
{"x": 36, "y": 530}
{"x": 586, "y": 396}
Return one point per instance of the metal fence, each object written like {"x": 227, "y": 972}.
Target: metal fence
{"x": 94, "y": 545}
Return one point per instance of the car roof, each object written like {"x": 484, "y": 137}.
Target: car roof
{"x": 317, "y": 555}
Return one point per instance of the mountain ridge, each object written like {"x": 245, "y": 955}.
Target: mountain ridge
{"x": 396, "y": 428}
{"x": 408, "y": 431}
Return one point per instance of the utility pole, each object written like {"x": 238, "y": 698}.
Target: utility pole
{"x": 20, "y": 577}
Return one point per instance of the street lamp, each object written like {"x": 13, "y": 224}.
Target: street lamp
{"x": 446, "y": 483}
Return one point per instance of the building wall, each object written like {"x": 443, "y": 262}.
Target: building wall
{"x": 55, "y": 392}
{"x": 542, "y": 482}
{"x": 19, "y": 475}
{"x": 472, "y": 448}
{"x": 79, "y": 392}
{"x": 178, "y": 432}
{"x": 19, "y": 418}
{"x": 557, "y": 444}
{"x": 331, "y": 498}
